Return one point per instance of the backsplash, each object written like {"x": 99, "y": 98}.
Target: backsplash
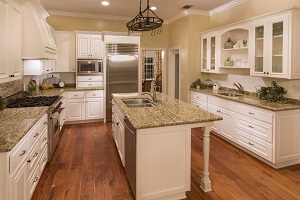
{"x": 249, "y": 83}
{"x": 10, "y": 88}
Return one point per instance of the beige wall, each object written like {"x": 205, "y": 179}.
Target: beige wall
{"x": 250, "y": 9}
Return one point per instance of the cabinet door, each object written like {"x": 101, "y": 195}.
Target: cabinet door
{"x": 19, "y": 183}
{"x": 216, "y": 127}
{"x": 16, "y": 31}
{"x": 227, "y": 124}
{"x": 212, "y": 52}
{"x": 204, "y": 49}
{"x": 95, "y": 48}
{"x": 4, "y": 56}
{"x": 122, "y": 144}
{"x": 83, "y": 46}
{"x": 94, "y": 108}
{"x": 278, "y": 46}
{"x": 65, "y": 43}
{"x": 75, "y": 109}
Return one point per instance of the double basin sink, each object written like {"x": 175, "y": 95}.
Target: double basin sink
{"x": 227, "y": 94}
{"x": 138, "y": 103}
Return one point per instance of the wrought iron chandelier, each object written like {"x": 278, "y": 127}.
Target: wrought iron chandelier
{"x": 145, "y": 23}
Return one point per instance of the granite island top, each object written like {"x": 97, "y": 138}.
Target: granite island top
{"x": 15, "y": 123}
{"x": 168, "y": 112}
{"x": 252, "y": 99}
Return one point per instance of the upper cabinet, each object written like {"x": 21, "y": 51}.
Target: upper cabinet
{"x": 275, "y": 43}
{"x": 89, "y": 46}
{"x": 38, "y": 42}
{"x": 266, "y": 45}
{"x": 209, "y": 46}
{"x": 65, "y": 42}
{"x": 10, "y": 40}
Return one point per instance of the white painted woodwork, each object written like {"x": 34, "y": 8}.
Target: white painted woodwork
{"x": 19, "y": 170}
{"x": 85, "y": 105}
{"x": 90, "y": 78}
{"x": 65, "y": 43}
{"x": 38, "y": 66}
{"x": 210, "y": 44}
{"x": 89, "y": 84}
{"x": 10, "y": 39}
{"x": 121, "y": 39}
{"x": 199, "y": 100}
{"x": 89, "y": 81}
{"x": 89, "y": 46}
{"x": 271, "y": 136}
{"x": 205, "y": 181}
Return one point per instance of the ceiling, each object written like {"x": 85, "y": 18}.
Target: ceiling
{"x": 166, "y": 9}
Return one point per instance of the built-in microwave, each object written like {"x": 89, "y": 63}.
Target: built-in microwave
{"x": 89, "y": 67}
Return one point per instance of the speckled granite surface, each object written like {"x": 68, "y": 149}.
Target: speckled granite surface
{"x": 169, "y": 112}
{"x": 15, "y": 123}
{"x": 252, "y": 99}
{"x": 59, "y": 91}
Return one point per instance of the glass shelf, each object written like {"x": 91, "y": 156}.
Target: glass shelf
{"x": 234, "y": 67}
{"x": 236, "y": 49}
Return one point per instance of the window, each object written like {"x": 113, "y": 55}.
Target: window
{"x": 149, "y": 68}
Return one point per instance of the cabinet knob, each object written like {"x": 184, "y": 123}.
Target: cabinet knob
{"x": 36, "y": 154}
{"x": 251, "y": 113}
{"x": 36, "y": 179}
{"x": 29, "y": 161}
{"x": 267, "y": 72}
{"x": 36, "y": 134}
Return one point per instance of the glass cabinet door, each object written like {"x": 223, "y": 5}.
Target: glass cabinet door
{"x": 277, "y": 47}
{"x": 204, "y": 54}
{"x": 213, "y": 53}
{"x": 259, "y": 49}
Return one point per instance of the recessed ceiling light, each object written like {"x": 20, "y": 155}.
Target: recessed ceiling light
{"x": 105, "y": 3}
{"x": 153, "y": 8}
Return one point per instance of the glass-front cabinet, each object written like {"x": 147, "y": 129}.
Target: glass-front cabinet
{"x": 271, "y": 49}
{"x": 208, "y": 53}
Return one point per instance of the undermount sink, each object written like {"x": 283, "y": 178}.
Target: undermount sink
{"x": 230, "y": 94}
{"x": 138, "y": 103}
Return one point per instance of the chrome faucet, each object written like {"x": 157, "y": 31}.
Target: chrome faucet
{"x": 152, "y": 93}
{"x": 239, "y": 87}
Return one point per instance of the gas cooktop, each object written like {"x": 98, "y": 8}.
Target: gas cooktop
{"x": 33, "y": 101}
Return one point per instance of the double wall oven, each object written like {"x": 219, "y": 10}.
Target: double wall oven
{"x": 55, "y": 109}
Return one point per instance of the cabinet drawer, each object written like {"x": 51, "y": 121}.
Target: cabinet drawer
{"x": 44, "y": 139}
{"x": 43, "y": 123}
{"x": 254, "y": 144}
{"x": 94, "y": 93}
{"x": 18, "y": 156}
{"x": 199, "y": 104}
{"x": 33, "y": 180}
{"x": 89, "y": 84}
{"x": 43, "y": 160}
{"x": 254, "y": 127}
{"x": 89, "y": 78}
{"x": 255, "y": 113}
{"x": 33, "y": 157}
{"x": 33, "y": 135}
{"x": 199, "y": 96}
{"x": 75, "y": 95}
{"x": 220, "y": 102}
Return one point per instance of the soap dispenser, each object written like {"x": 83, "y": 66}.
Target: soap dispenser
{"x": 216, "y": 87}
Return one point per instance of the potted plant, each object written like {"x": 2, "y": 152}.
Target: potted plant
{"x": 196, "y": 84}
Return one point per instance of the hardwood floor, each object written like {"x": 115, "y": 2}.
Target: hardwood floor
{"x": 86, "y": 165}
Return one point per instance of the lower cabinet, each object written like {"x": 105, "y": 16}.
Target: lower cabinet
{"x": 118, "y": 131}
{"x": 271, "y": 136}
{"x": 84, "y": 105}
{"x": 21, "y": 167}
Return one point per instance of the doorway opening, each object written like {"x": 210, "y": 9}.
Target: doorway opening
{"x": 174, "y": 73}
{"x": 153, "y": 69}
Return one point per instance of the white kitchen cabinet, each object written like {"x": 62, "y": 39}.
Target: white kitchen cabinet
{"x": 65, "y": 43}
{"x": 209, "y": 45}
{"x": 89, "y": 46}
{"x": 85, "y": 105}
{"x": 20, "y": 170}
{"x": 118, "y": 131}
{"x": 199, "y": 100}
{"x": 38, "y": 67}
{"x": 121, "y": 39}
{"x": 89, "y": 81}
{"x": 63, "y": 114}
{"x": 10, "y": 40}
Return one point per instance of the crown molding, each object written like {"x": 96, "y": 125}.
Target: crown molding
{"x": 186, "y": 13}
{"x": 227, "y": 6}
{"x": 39, "y": 6}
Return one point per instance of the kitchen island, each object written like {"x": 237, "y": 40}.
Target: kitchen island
{"x": 162, "y": 144}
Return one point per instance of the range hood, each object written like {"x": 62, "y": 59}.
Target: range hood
{"x": 37, "y": 40}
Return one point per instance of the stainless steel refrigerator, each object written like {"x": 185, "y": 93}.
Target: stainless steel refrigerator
{"x": 122, "y": 64}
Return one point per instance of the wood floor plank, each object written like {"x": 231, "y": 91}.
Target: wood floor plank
{"x": 86, "y": 165}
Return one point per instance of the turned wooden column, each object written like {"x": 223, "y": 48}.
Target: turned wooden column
{"x": 205, "y": 182}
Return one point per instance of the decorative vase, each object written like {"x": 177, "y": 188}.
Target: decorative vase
{"x": 228, "y": 44}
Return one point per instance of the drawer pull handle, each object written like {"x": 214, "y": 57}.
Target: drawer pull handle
{"x": 251, "y": 113}
{"x": 90, "y": 85}
{"x": 36, "y": 154}
{"x": 45, "y": 159}
{"x": 250, "y": 143}
{"x": 29, "y": 161}
{"x": 250, "y": 126}
{"x": 45, "y": 123}
{"x": 90, "y": 79}
{"x": 75, "y": 95}
{"x": 44, "y": 139}
{"x": 94, "y": 95}
{"x": 36, "y": 179}
{"x": 197, "y": 97}
{"x": 23, "y": 152}
{"x": 117, "y": 123}
{"x": 36, "y": 134}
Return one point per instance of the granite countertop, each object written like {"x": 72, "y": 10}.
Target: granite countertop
{"x": 168, "y": 112}
{"x": 59, "y": 91}
{"x": 252, "y": 99}
{"x": 15, "y": 123}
